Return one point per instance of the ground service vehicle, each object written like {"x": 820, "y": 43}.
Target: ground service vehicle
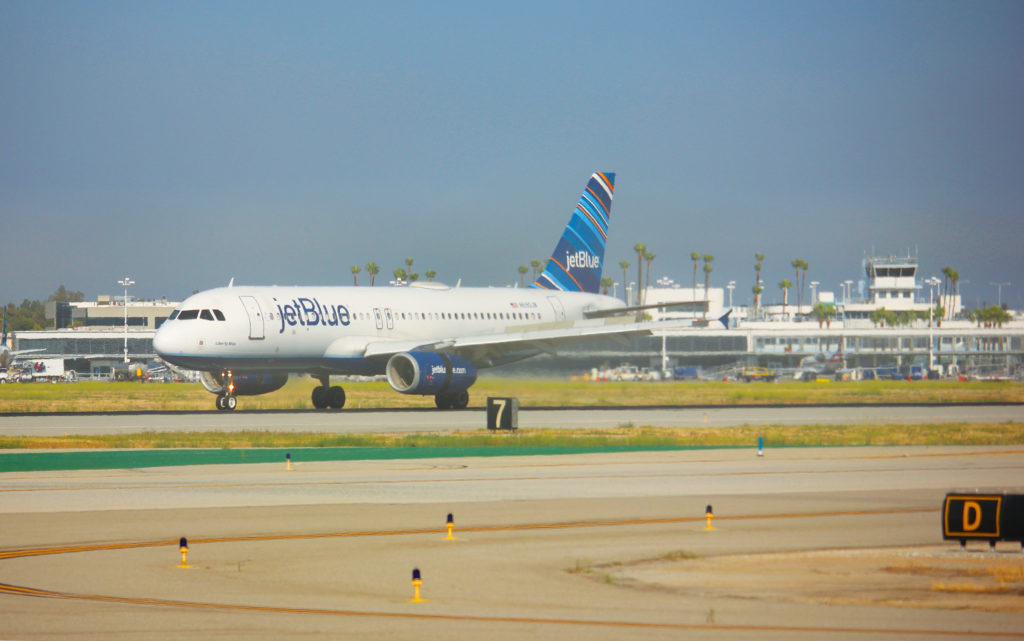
{"x": 756, "y": 373}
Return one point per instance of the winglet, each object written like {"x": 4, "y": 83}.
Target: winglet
{"x": 724, "y": 319}
{"x": 575, "y": 265}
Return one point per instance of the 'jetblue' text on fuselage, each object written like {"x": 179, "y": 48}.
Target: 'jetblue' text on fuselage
{"x": 308, "y": 312}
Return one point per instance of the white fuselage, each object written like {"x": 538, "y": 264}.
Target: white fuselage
{"x": 350, "y": 330}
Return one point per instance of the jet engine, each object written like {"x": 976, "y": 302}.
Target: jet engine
{"x": 246, "y": 383}
{"x": 429, "y": 373}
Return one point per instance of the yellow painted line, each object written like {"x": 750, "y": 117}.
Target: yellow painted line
{"x": 29, "y": 552}
{"x": 25, "y": 591}
{"x": 35, "y": 592}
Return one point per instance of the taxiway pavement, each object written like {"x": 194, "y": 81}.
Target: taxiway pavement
{"x": 430, "y": 420}
{"x": 327, "y": 549}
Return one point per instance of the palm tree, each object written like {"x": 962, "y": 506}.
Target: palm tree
{"x": 408, "y": 264}
{"x": 648, "y": 256}
{"x": 413, "y": 277}
{"x": 945, "y": 299}
{"x": 355, "y": 274}
{"x": 824, "y": 313}
{"x": 430, "y": 274}
{"x": 757, "y": 277}
{"x": 522, "y": 275}
{"x": 372, "y": 269}
{"x": 606, "y": 282}
{"x": 954, "y": 280}
{"x": 639, "y": 248}
{"x": 803, "y": 276}
{"x": 400, "y": 274}
{"x": 695, "y": 257}
{"x": 624, "y": 264}
{"x": 796, "y": 265}
{"x": 707, "y": 275}
{"x": 535, "y": 266}
{"x": 784, "y": 285}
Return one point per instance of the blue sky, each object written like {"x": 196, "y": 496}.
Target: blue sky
{"x": 184, "y": 144}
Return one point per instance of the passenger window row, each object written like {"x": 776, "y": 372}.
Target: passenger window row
{"x": 457, "y": 316}
{"x": 216, "y": 314}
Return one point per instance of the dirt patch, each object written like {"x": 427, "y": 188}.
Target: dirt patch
{"x": 941, "y": 577}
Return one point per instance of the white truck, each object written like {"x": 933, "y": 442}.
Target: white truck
{"x": 628, "y": 373}
{"x": 47, "y": 369}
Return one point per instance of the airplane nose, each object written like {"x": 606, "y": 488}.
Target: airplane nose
{"x": 162, "y": 341}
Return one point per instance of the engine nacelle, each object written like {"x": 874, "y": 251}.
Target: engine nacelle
{"x": 429, "y": 373}
{"x": 246, "y": 383}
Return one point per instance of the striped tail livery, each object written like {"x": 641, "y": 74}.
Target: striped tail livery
{"x": 575, "y": 266}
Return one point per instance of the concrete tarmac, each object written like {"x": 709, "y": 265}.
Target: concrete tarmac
{"x": 398, "y": 421}
{"x": 595, "y": 546}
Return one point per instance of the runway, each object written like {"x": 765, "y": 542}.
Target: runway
{"x": 405, "y": 421}
{"x": 596, "y": 546}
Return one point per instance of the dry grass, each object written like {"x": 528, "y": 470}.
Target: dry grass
{"x": 647, "y": 437}
{"x": 965, "y": 575}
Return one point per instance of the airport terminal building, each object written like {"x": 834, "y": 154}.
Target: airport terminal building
{"x": 91, "y": 336}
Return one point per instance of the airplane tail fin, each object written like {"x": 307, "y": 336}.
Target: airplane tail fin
{"x": 575, "y": 266}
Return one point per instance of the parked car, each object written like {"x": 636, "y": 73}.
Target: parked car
{"x": 756, "y": 373}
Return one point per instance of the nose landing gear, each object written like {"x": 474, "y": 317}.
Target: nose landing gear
{"x": 226, "y": 399}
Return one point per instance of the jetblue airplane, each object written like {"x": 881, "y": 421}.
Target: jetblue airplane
{"x": 426, "y": 338}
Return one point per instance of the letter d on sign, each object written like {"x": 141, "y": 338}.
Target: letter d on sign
{"x": 976, "y": 516}
{"x": 972, "y": 516}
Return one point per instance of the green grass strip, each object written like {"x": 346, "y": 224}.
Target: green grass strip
{"x": 131, "y": 459}
{"x": 157, "y": 449}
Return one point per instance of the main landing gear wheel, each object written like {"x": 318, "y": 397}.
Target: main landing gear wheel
{"x": 452, "y": 400}
{"x": 324, "y": 397}
{"x": 225, "y": 402}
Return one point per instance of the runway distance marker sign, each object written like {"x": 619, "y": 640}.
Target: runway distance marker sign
{"x": 991, "y": 517}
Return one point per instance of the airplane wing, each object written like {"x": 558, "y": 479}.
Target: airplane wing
{"x": 7, "y": 357}
{"x": 681, "y": 306}
{"x": 488, "y": 350}
{"x": 21, "y": 352}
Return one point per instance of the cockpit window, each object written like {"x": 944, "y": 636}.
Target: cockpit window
{"x": 189, "y": 314}
{"x": 206, "y": 315}
{"x": 219, "y": 314}
{"x": 174, "y": 314}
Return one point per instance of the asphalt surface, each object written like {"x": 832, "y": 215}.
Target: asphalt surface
{"x": 593, "y": 546}
{"x": 397, "y": 421}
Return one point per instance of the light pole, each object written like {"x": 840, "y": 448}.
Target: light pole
{"x": 731, "y": 286}
{"x": 999, "y": 289}
{"x": 932, "y": 283}
{"x": 126, "y": 283}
